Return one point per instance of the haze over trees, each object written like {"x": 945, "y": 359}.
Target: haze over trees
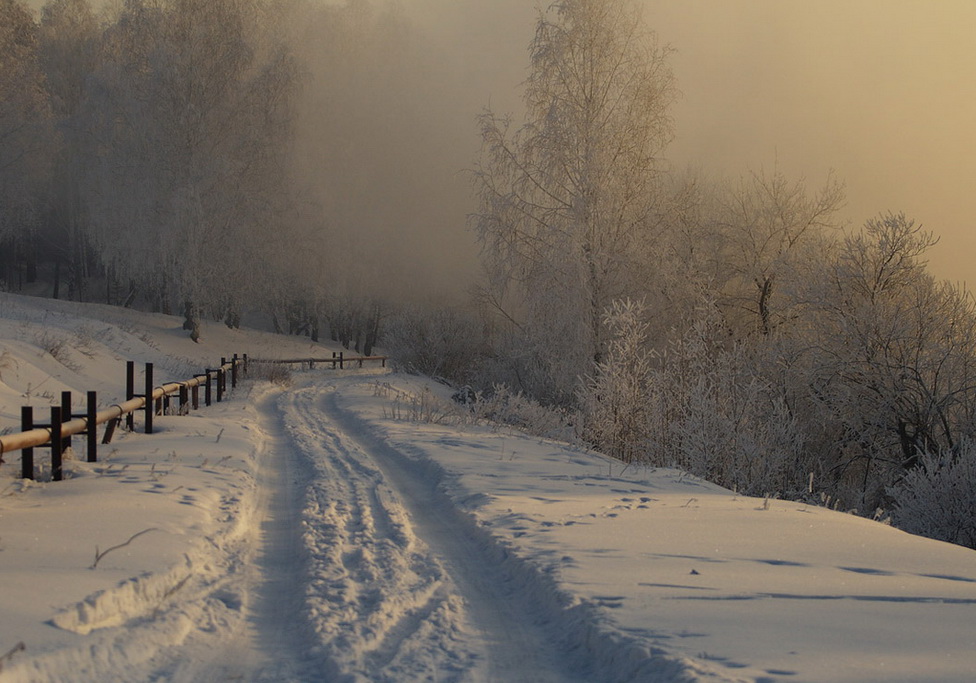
{"x": 225, "y": 158}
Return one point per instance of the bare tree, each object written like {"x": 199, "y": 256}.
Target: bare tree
{"x": 768, "y": 224}
{"x": 25, "y": 129}
{"x": 896, "y": 356}
{"x": 566, "y": 197}
{"x": 190, "y": 115}
{"x": 68, "y": 52}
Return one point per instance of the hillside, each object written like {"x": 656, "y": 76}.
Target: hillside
{"x": 356, "y": 526}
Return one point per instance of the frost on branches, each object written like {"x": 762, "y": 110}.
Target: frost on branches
{"x": 938, "y": 498}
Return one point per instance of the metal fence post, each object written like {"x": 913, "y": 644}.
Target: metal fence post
{"x": 57, "y": 472}
{"x": 92, "y": 428}
{"x": 65, "y": 416}
{"x": 220, "y": 380}
{"x": 26, "y": 454}
{"x": 150, "y": 408}
{"x": 130, "y": 391}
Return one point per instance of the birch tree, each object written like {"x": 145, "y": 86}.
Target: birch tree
{"x": 896, "y": 357}
{"x": 25, "y": 129}
{"x": 768, "y": 224}
{"x": 190, "y": 114}
{"x": 565, "y": 197}
{"x": 68, "y": 54}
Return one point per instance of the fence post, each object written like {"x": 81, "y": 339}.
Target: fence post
{"x": 184, "y": 399}
{"x": 246, "y": 368}
{"x": 206, "y": 393}
{"x": 92, "y": 428}
{"x": 110, "y": 430}
{"x": 220, "y": 380}
{"x": 26, "y": 454}
{"x": 65, "y": 416}
{"x": 150, "y": 408}
{"x": 341, "y": 366}
{"x": 233, "y": 372}
{"x": 195, "y": 393}
{"x": 130, "y": 391}
{"x": 57, "y": 473}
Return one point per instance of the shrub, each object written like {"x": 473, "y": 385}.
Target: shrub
{"x": 938, "y": 497}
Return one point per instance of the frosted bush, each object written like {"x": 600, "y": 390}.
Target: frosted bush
{"x": 616, "y": 412}
{"x": 437, "y": 343}
{"x": 938, "y": 498}
{"x": 503, "y": 406}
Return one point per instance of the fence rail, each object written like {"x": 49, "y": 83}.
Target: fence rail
{"x": 155, "y": 400}
{"x": 338, "y": 360}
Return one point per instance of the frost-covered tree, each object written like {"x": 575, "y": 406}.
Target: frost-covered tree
{"x": 565, "y": 199}
{"x": 189, "y": 118}
{"x": 894, "y": 357}
{"x": 938, "y": 498}
{"x": 68, "y": 52}
{"x": 25, "y": 130}
{"x": 615, "y": 400}
{"x": 768, "y": 225}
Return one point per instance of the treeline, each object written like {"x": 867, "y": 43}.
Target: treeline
{"x": 213, "y": 158}
{"x": 217, "y": 158}
{"x": 734, "y": 329}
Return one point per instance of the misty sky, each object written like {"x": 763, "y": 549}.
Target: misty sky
{"x": 880, "y": 91}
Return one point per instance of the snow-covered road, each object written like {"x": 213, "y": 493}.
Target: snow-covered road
{"x": 499, "y": 620}
{"x": 350, "y": 527}
{"x": 401, "y": 585}
{"x": 357, "y": 566}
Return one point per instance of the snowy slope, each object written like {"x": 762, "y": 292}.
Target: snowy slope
{"x": 328, "y": 531}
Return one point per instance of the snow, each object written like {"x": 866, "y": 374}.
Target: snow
{"x": 325, "y": 530}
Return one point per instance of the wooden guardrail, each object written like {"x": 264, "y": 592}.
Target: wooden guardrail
{"x": 155, "y": 400}
{"x": 338, "y": 360}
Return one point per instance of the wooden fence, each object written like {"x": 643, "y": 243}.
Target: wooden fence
{"x": 155, "y": 400}
{"x": 337, "y": 361}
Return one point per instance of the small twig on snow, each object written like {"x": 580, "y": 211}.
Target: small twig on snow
{"x": 100, "y": 555}
{"x": 19, "y": 647}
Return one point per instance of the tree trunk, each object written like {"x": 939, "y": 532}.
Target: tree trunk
{"x": 765, "y": 292}
{"x": 191, "y": 321}
{"x": 372, "y": 332}
{"x": 57, "y": 279}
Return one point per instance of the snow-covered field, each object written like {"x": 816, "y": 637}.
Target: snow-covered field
{"x": 333, "y": 529}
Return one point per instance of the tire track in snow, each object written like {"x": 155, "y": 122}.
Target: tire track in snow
{"x": 510, "y": 624}
{"x": 252, "y": 624}
{"x": 380, "y": 603}
{"x": 277, "y": 614}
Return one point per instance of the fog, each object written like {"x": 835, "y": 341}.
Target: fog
{"x": 880, "y": 91}
{"x": 305, "y": 160}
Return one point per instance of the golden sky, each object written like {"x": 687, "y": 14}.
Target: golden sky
{"x": 881, "y": 91}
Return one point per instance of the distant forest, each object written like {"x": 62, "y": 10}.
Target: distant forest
{"x": 213, "y": 158}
